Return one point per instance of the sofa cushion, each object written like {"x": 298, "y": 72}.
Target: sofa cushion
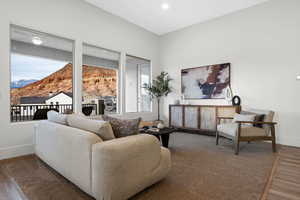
{"x": 123, "y": 127}
{"x": 101, "y": 128}
{"x": 56, "y": 117}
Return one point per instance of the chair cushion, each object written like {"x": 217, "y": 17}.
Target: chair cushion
{"x": 228, "y": 128}
{"x": 258, "y": 117}
{"x": 240, "y": 117}
{"x": 231, "y": 129}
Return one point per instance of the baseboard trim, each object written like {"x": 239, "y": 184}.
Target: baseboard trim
{"x": 16, "y": 151}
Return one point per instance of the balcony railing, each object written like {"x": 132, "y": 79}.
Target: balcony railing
{"x": 20, "y": 113}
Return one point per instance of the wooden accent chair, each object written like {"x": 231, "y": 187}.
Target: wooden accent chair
{"x": 237, "y": 132}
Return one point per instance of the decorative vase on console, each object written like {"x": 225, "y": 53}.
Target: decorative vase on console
{"x": 160, "y": 125}
{"x": 183, "y": 100}
{"x": 228, "y": 94}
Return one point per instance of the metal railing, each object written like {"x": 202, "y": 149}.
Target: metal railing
{"x": 20, "y": 113}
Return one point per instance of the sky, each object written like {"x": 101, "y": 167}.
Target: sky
{"x": 27, "y": 67}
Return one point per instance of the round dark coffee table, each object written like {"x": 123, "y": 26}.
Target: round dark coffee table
{"x": 163, "y": 135}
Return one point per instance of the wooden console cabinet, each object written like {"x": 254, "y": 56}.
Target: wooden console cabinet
{"x": 199, "y": 118}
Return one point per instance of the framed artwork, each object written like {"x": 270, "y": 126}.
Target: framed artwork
{"x": 207, "y": 82}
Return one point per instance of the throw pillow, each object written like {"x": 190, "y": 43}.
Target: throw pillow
{"x": 258, "y": 118}
{"x": 240, "y": 117}
{"x": 101, "y": 128}
{"x": 123, "y": 127}
{"x": 56, "y": 117}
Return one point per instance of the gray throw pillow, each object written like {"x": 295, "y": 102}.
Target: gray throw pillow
{"x": 123, "y": 127}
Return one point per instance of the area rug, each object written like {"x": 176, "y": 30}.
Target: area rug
{"x": 203, "y": 171}
{"x": 200, "y": 171}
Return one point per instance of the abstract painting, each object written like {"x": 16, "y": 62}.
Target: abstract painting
{"x": 207, "y": 82}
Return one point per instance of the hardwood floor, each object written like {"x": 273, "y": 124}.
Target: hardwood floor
{"x": 28, "y": 178}
{"x": 285, "y": 180}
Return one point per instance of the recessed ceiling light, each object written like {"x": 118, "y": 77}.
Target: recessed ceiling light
{"x": 165, "y": 6}
{"x": 37, "y": 41}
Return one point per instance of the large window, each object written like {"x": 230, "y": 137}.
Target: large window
{"x": 100, "y": 80}
{"x": 41, "y": 73}
{"x": 42, "y": 77}
{"x": 137, "y": 74}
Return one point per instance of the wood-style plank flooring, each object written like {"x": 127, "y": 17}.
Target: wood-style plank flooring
{"x": 43, "y": 183}
{"x": 285, "y": 181}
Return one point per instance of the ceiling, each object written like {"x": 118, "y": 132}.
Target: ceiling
{"x": 25, "y": 35}
{"x": 182, "y": 13}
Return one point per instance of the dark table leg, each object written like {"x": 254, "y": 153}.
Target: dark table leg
{"x": 157, "y": 136}
{"x": 165, "y": 140}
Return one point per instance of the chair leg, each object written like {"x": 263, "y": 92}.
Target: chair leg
{"x": 217, "y": 138}
{"x": 273, "y": 139}
{"x": 236, "y": 147}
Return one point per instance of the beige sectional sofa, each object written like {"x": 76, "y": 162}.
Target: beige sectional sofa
{"x": 107, "y": 170}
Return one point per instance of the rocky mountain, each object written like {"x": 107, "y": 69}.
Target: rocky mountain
{"x": 96, "y": 82}
{"x": 21, "y": 83}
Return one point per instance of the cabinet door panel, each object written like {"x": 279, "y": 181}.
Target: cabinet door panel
{"x": 176, "y": 116}
{"x": 191, "y": 117}
{"x": 208, "y": 118}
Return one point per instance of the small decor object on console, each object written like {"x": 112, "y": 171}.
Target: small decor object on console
{"x": 160, "y": 125}
{"x": 207, "y": 82}
{"x": 177, "y": 102}
{"x": 236, "y": 101}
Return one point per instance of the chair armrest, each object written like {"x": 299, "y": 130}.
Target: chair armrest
{"x": 120, "y": 166}
{"x": 219, "y": 119}
{"x": 251, "y": 122}
{"x": 224, "y": 117}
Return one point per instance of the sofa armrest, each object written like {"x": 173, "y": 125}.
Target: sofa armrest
{"x": 122, "y": 167}
{"x": 68, "y": 150}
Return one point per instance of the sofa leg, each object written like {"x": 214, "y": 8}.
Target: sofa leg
{"x": 217, "y": 138}
{"x": 236, "y": 147}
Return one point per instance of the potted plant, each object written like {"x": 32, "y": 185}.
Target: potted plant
{"x": 159, "y": 88}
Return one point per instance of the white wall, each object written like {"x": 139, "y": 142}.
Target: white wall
{"x": 262, "y": 43}
{"x": 75, "y": 20}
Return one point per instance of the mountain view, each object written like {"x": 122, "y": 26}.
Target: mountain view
{"x": 96, "y": 82}
{"x": 21, "y": 83}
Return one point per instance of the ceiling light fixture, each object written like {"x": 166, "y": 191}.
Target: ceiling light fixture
{"x": 165, "y": 6}
{"x": 37, "y": 41}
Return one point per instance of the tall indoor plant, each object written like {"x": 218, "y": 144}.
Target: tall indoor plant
{"x": 159, "y": 88}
